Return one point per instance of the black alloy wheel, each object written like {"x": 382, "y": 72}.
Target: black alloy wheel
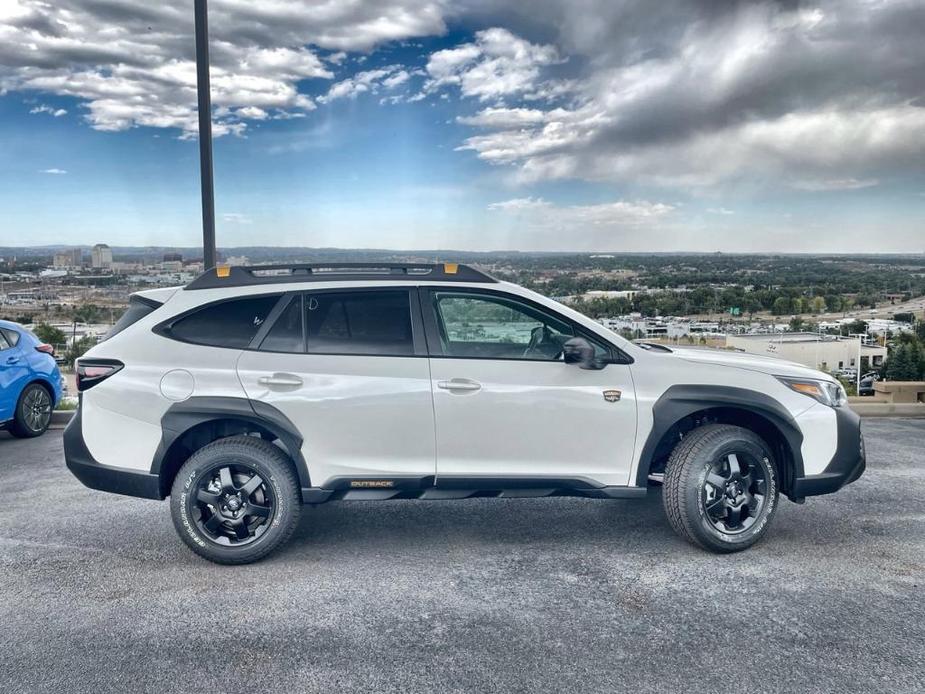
{"x": 233, "y": 505}
{"x": 236, "y": 500}
{"x": 734, "y": 492}
{"x": 720, "y": 487}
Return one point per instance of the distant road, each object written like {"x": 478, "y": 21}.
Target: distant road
{"x": 916, "y": 306}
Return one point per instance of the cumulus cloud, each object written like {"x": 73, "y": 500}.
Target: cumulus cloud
{"x": 612, "y": 214}
{"x": 691, "y": 94}
{"x": 43, "y": 108}
{"x": 696, "y": 94}
{"x": 367, "y": 81}
{"x": 133, "y": 64}
{"x": 496, "y": 64}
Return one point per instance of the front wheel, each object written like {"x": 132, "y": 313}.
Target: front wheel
{"x": 720, "y": 490}
{"x": 235, "y": 500}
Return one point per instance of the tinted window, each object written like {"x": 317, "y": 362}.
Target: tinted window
{"x": 359, "y": 323}
{"x": 137, "y": 309}
{"x": 474, "y": 325}
{"x": 4, "y": 342}
{"x": 286, "y": 333}
{"x": 227, "y": 324}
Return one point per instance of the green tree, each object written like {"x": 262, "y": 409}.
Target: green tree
{"x": 50, "y": 334}
{"x": 856, "y": 327}
{"x": 781, "y": 306}
{"x": 77, "y": 349}
{"x": 902, "y": 364}
{"x": 818, "y": 304}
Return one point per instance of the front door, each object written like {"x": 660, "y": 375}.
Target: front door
{"x": 350, "y": 371}
{"x": 506, "y": 404}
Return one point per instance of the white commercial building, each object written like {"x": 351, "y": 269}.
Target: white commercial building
{"x": 101, "y": 257}
{"x": 827, "y": 352}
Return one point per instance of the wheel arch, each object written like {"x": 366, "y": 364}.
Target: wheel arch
{"x": 683, "y": 408}
{"x": 38, "y": 379}
{"x": 188, "y": 426}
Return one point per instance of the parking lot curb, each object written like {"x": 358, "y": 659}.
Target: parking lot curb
{"x": 60, "y": 418}
{"x": 888, "y": 409}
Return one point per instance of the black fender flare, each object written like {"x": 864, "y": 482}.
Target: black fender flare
{"x": 181, "y": 417}
{"x": 680, "y": 401}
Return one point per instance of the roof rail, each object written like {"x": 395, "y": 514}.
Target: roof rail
{"x": 253, "y": 275}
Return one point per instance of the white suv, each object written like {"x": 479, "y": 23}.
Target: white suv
{"x": 255, "y": 389}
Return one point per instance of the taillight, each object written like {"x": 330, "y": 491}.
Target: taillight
{"x": 93, "y": 371}
{"x": 45, "y": 349}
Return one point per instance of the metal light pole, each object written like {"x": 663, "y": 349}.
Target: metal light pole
{"x": 205, "y": 133}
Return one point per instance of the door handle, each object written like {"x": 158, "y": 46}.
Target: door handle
{"x": 284, "y": 380}
{"x": 12, "y": 360}
{"x": 459, "y": 384}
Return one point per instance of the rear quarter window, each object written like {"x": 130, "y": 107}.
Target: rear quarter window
{"x": 138, "y": 308}
{"x": 232, "y": 323}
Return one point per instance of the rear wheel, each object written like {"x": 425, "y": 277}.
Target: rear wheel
{"x": 720, "y": 490}
{"x": 33, "y": 412}
{"x": 235, "y": 500}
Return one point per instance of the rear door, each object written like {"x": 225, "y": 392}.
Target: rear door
{"x": 507, "y": 405}
{"x": 349, "y": 368}
{"x": 14, "y": 372}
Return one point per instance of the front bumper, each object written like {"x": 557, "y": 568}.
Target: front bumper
{"x": 848, "y": 463}
{"x": 105, "y": 478}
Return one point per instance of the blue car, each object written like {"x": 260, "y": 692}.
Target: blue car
{"x": 30, "y": 383}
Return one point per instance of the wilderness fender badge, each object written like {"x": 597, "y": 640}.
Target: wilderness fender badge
{"x": 612, "y": 395}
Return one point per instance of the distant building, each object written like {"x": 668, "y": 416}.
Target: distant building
{"x": 68, "y": 260}
{"x": 827, "y": 352}
{"x": 173, "y": 258}
{"x": 629, "y": 294}
{"x": 101, "y": 257}
{"x": 237, "y": 260}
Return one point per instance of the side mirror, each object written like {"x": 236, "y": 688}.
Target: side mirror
{"x": 578, "y": 350}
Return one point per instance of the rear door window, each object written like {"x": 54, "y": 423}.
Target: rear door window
{"x": 231, "y": 324}
{"x": 287, "y": 334}
{"x": 375, "y": 323}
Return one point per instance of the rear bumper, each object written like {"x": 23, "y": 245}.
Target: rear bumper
{"x": 105, "y": 478}
{"x": 847, "y": 465}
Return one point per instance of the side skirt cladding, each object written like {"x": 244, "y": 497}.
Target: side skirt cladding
{"x": 190, "y": 424}
{"x": 680, "y": 403}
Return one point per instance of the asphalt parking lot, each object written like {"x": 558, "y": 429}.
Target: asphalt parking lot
{"x": 576, "y": 595}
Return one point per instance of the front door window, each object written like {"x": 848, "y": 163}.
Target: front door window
{"x": 483, "y": 326}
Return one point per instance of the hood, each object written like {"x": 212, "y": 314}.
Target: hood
{"x": 774, "y": 366}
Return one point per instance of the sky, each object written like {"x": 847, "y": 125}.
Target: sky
{"x": 599, "y": 125}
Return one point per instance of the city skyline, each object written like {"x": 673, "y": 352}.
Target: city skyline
{"x": 407, "y": 125}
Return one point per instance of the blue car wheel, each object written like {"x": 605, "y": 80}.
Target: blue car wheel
{"x": 33, "y": 412}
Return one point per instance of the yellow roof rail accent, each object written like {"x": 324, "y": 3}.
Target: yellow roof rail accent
{"x": 451, "y": 268}
{"x": 223, "y": 270}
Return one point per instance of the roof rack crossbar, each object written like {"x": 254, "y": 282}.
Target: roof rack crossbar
{"x": 279, "y": 273}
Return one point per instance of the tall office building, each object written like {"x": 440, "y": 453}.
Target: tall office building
{"x": 101, "y": 257}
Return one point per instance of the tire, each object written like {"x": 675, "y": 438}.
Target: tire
{"x": 219, "y": 484}
{"x": 33, "y": 412}
{"x": 706, "y": 502}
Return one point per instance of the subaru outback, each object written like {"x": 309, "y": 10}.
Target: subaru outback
{"x": 254, "y": 390}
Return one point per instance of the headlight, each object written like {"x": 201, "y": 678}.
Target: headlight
{"x": 826, "y": 392}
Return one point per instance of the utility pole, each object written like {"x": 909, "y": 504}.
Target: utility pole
{"x": 205, "y": 133}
